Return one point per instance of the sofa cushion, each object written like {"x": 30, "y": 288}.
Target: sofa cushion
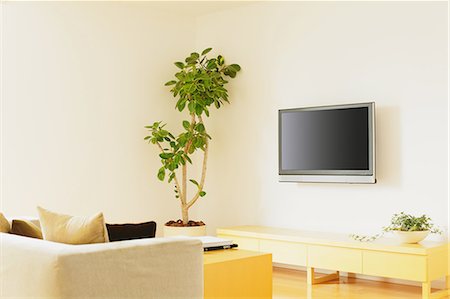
{"x": 25, "y": 228}
{"x": 4, "y": 224}
{"x": 72, "y": 229}
{"x": 130, "y": 231}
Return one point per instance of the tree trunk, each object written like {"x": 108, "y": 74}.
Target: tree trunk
{"x": 184, "y": 214}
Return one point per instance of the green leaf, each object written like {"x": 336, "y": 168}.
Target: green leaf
{"x": 191, "y": 107}
{"x": 194, "y": 182}
{"x": 192, "y": 88}
{"x": 166, "y": 155}
{"x": 181, "y": 104}
{"x": 187, "y": 158}
{"x": 201, "y": 88}
{"x": 211, "y": 64}
{"x": 198, "y": 110}
{"x": 172, "y": 82}
{"x": 186, "y": 124}
{"x": 232, "y": 74}
{"x": 200, "y": 128}
{"x": 234, "y": 67}
{"x": 220, "y": 60}
{"x": 180, "y": 75}
{"x": 198, "y": 143}
{"x": 161, "y": 174}
{"x": 194, "y": 56}
{"x": 179, "y": 64}
{"x": 182, "y": 140}
{"x": 206, "y": 51}
{"x": 171, "y": 177}
{"x": 190, "y": 61}
{"x": 202, "y": 193}
{"x": 147, "y": 137}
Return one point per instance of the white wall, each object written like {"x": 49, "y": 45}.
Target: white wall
{"x": 80, "y": 80}
{"x": 314, "y": 53}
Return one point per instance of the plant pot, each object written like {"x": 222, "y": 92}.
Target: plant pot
{"x": 411, "y": 237}
{"x": 190, "y": 231}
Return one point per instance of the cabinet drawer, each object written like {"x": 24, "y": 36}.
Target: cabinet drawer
{"x": 243, "y": 242}
{"x": 285, "y": 252}
{"x": 335, "y": 258}
{"x": 395, "y": 265}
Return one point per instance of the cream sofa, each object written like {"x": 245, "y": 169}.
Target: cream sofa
{"x": 146, "y": 268}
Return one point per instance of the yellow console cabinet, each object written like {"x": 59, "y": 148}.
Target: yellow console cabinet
{"x": 423, "y": 262}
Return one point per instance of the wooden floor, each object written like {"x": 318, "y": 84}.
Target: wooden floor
{"x": 292, "y": 284}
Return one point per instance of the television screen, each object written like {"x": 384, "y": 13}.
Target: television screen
{"x": 318, "y": 143}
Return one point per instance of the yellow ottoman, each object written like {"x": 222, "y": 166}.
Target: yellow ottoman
{"x": 235, "y": 273}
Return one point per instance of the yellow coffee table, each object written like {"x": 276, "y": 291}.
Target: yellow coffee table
{"x": 235, "y": 273}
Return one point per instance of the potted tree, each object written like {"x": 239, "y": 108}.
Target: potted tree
{"x": 198, "y": 86}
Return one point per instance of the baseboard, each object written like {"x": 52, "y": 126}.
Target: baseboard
{"x": 438, "y": 284}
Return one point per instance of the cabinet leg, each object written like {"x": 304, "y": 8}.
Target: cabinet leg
{"x": 309, "y": 294}
{"x": 312, "y": 279}
{"x": 426, "y": 290}
{"x": 310, "y": 275}
{"x": 441, "y": 294}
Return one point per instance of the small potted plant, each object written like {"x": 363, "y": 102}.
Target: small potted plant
{"x": 411, "y": 229}
{"x": 408, "y": 229}
{"x": 198, "y": 86}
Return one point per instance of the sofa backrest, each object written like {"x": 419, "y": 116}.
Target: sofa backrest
{"x": 145, "y": 268}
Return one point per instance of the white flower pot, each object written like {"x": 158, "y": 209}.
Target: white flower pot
{"x": 411, "y": 237}
{"x": 190, "y": 231}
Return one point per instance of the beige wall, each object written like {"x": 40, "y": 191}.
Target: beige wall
{"x": 80, "y": 80}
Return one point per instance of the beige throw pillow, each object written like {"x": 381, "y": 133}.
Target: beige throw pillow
{"x": 72, "y": 229}
{"x": 5, "y": 227}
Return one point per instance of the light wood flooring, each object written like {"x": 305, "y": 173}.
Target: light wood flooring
{"x": 292, "y": 284}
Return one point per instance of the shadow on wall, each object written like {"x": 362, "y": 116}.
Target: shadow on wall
{"x": 388, "y": 145}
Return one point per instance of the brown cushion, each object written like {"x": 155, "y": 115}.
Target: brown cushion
{"x": 25, "y": 228}
{"x": 130, "y": 231}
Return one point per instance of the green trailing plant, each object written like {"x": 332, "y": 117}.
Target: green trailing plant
{"x": 403, "y": 222}
{"x": 198, "y": 86}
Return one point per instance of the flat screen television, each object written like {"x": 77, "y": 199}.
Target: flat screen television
{"x": 327, "y": 144}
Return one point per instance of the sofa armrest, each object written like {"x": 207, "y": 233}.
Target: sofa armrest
{"x": 146, "y": 268}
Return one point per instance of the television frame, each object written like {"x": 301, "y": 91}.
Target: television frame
{"x": 332, "y": 176}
